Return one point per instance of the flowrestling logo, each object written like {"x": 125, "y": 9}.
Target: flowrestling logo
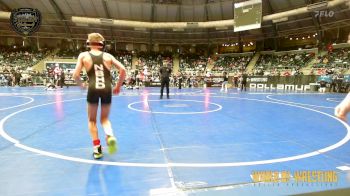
{"x": 324, "y": 13}
{"x": 295, "y": 177}
{"x": 25, "y": 21}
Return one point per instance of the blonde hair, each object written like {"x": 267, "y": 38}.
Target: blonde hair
{"x": 95, "y": 37}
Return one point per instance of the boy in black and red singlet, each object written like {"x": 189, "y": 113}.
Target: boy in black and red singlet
{"x": 98, "y": 67}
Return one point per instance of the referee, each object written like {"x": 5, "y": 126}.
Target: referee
{"x": 165, "y": 72}
{"x": 244, "y": 81}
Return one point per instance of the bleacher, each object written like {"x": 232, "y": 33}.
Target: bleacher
{"x": 18, "y": 62}
{"x": 150, "y": 63}
{"x": 284, "y": 62}
{"x": 193, "y": 64}
{"x": 338, "y": 58}
{"x": 270, "y": 63}
{"x": 21, "y": 58}
{"x": 234, "y": 63}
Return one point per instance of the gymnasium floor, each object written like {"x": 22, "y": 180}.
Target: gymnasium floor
{"x": 199, "y": 142}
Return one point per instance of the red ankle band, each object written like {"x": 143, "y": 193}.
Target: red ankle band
{"x": 96, "y": 142}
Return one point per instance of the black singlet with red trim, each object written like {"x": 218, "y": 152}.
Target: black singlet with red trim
{"x": 100, "y": 81}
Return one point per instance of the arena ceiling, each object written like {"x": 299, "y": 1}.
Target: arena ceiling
{"x": 57, "y": 21}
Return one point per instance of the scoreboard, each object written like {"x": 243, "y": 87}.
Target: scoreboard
{"x": 247, "y": 15}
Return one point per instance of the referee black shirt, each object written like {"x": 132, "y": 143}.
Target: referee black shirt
{"x": 165, "y": 73}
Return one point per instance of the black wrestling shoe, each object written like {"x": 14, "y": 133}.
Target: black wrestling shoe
{"x": 97, "y": 152}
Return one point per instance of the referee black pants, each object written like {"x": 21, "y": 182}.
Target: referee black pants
{"x": 164, "y": 83}
{"x": 244, "y": 85}
{"x": 180, "y": 83}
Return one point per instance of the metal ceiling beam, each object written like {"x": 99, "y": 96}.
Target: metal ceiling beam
{"x": 207, "y": 19}
{"x": 152, "y": 10}
{"x": 4, "y": 33}
{"x": 221, "y": 10}
{"x": 62, "y": 17}
{"x": 4, "y": 6}
{"x": 127, "y": 40}
{"x": 153, "y": 7}
{"x": 291, "y": 6}
{"x": 128, "y": 31}
{"x": 206, "y": 10}
{"x": 180, "y": 11}
{"x": 315, "y": 21}
{"x": 274, "y": 26}
{"x": 105, "y": 8}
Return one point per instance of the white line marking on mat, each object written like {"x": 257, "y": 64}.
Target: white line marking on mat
{"x": 189, "y": 165}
